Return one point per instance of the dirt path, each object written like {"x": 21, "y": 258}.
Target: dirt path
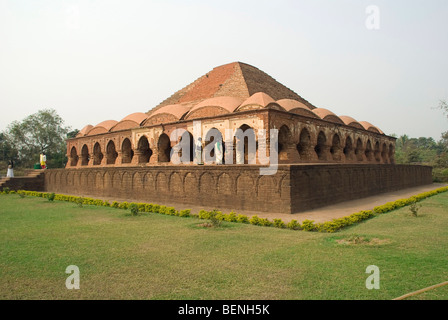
{"x": 321, "y": 214}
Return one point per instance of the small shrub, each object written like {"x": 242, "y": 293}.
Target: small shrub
{"x": 308, "y": 225}
{"x": 278, "y": 223}
{"x": 21, "y": 194}
{"x": 51, "y": 196}
{"x": 184, "y": 213}
{"x": 414, "y": 207}
{"x": 242, "y": 218}
{"x": 293, "y": 225}
{"x": 214, "y": 218}
{"x": 134, "y": 209}
{"x": 231, "y": 217}
{"x": 6, "y": 190}
{"x": 115, "y": 204}
{"x": 124, "y": 205}
{"x": 203, "y": 214}
{"x": 79, "y": 201}
{"x": 255, "y": 220}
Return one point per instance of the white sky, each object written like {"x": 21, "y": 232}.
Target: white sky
{"x": 95, "y": 60}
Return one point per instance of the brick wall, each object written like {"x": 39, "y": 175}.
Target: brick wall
{"x": 294, "y": 188}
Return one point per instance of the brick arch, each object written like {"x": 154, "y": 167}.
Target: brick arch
{"x": 116, "y": 180}
{"x": 245, "y": 185}
{"x": 377, "y": 152}
{"x": 369, "y": 151}
{"x": 175, "y": 182}
{"x": 336, "y": 149}
{"x": 207, "y": 183}
{"x": 164, "y": 148}
{"x": 391, "y": 153}
{"x": 144, "y": 150}
{"x": 74, "y": 157}
{"x": 305, "y": 145}
{"x": 225, "y": 184}
{"x": 99, "y": 181}
{"x": 384, "y": 153}
{"x": 161, "y": 182}
{"x": 97, "y": 154}
{"x": 91, "y": 181}
{"x": 359, "y": 150}
{"x": 126, "y": 181}
{"x": 126, "y": 151}
{"x": 349, "y": 149}
{"x": 210, "y": 136}
{"x": 266, "y": 185}
{"x": 322, "y": 149}
{"x": 148, "y": 182}
{"x": 190, "y": 183}
{"x": 249, "y": 157}
{"x": 111, "y": 152}
{"x": 85, "y": 155}
{"x": 286, "y": 144}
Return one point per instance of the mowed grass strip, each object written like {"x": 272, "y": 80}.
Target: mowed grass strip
{"x": 166, "y": 257}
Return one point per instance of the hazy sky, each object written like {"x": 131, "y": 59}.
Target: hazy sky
{"x": 95, "y": 60}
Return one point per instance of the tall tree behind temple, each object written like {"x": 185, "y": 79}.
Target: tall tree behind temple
{"x": 43, "y": 131}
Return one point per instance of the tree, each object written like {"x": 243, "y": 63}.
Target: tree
{"x": 42, "y": 131}
{"x": 7, "y": 151}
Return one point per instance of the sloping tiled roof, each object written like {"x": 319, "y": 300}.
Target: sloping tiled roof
{"x": 235, "y": 79}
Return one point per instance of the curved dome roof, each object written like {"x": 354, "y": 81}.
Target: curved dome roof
{"x": 131, "y": 121}
{"x": 137, "y": 117}
{"x": 370, "y": 127}
{"x": 290, "y": 104}
{"x": 227, "y": 103}
{"x": 327, "y": 115}
{"x": 351, "y": 122}
{"x": 84, "y": 130}
{"x": 176, "y": 110}
{"x": 259, "y": 99}
{"x": 102, "y": 127}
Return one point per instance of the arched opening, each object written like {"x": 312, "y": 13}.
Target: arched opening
{"x": 85, "y": 156}
{"x": 384, "y": 153}
{"x": 144, "y": 151}
{"x": 348, "y": 149}
{"x": 377, "y": 152}
{"x": 126, "y": 151}
{"x": 97, "y": 154}
{"x": 245, "y": 146}
{"x": 391, "y": 154}
{"x": 212, "y": 138}
{"x": 164, "y": 147}
{"x": 336, "y": 149}
{"x": 320, "y": 146}
{"x": 111, "y": 153}
{"x": 284, "y": 141}
{"x": 369, "y": 151}
{"x": 304, "y": 146}
{"x": 359, "y": 150}
{"x": 187, "y": 143}
{"x": 73, "y": 157}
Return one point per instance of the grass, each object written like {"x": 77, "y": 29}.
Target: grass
{"x": 165, "y": 257}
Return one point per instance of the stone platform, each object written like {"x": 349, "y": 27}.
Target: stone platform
{"x": 294, "y": 188}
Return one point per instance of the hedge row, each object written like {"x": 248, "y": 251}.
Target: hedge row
{"x": 307, "y": 225}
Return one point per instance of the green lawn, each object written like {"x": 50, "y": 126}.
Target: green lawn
{"x": 166, "y": 257}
